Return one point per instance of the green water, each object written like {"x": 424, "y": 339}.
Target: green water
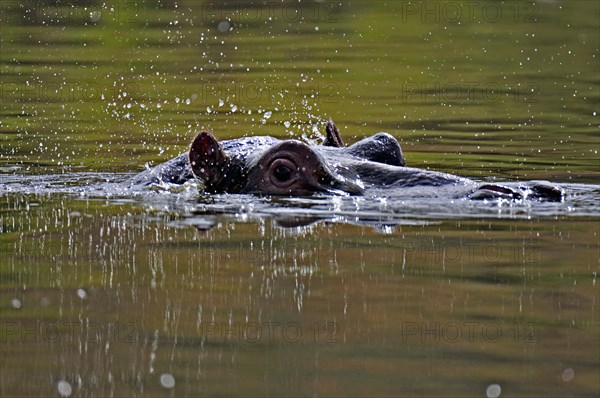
{"x": 122, "y": 296}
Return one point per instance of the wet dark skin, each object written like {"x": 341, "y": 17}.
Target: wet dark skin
{"x": 268, "y": 166}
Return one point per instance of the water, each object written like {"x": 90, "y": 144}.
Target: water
{"x": 106, "y": 291}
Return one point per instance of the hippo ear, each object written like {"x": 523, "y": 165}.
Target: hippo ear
{"x": 208, "y": 160}
{"x": 333, "y": 136}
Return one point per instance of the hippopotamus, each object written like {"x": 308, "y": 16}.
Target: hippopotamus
{"x": 270, "y": 166}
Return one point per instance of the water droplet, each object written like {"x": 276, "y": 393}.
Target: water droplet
{"x": 233, "y": 108}
{"x": 208, "y": 109}
{"x": 287, "y": 124}
{"x": 223, "y": 26}
{"x": 64, "y": 388}
{"x": 567, "y": 374}
{"x": 95, "y": 16}
{"x": 267, "y": 114}
{"x": 493, "y": 391}
{"x": 82, "y": 294}
{"x": 167, "y": 380}
{"x": 16, "y": 303}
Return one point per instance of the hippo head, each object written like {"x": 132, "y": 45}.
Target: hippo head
{"x": 287, "y": 167}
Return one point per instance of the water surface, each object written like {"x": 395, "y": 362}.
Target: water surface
{"x": 106, "y": 291}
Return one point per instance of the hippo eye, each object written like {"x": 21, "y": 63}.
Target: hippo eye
{"x": 282, "y": 173}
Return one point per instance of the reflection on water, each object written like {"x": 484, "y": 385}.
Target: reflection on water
{"x": 110, "y": 299}
{"x": 108, "y": 292}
